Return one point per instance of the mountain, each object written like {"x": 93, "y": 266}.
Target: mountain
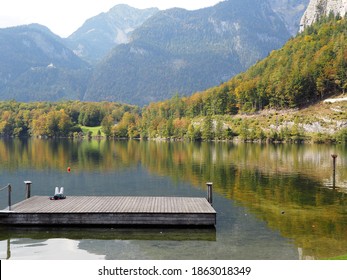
{"x": 99, "y": 34}
{"x": 307, "y": 69}
{"x": 319, "y": 8}
{"x": 280, "y": 98}
{"x": 291, "y": 11}
{"x": 36, "y": 65}
{"x": 284, "y": 97}
{"x": 180, "y": 51}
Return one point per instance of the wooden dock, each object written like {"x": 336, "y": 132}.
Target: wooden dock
{"x": 111, "y": 211}
{"x": 171, "y": 233}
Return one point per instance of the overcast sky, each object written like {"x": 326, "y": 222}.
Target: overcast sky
{"x": 63, "y": 17}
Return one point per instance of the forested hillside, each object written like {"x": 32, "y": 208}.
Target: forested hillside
{"x": 278, "y": 99}
{"x": 36, "y": 65}
{"x": 309, "y": 68}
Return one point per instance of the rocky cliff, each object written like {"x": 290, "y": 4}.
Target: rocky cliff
{"x": 318, "y": 8}
{"x": 291, "y": 12}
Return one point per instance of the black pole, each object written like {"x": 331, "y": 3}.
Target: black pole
{"x": 27, "y": 189}
{"x": 209, "y": 192}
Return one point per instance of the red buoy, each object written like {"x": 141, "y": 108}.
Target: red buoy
{"x": 68, "y": 169}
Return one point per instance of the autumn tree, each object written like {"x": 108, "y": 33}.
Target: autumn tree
{"x": 107, "y": 124}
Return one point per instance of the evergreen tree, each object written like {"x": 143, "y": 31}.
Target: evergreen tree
{"x": 207, "y": 128}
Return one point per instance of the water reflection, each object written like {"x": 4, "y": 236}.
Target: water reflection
{"x": 21, "y": 239}
{"x": 189, "y": 159}
{"x": 278, "y": 192}
{"x": 51, "y": 249}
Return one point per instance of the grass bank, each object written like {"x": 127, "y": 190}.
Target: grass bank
{"x": 92, "y": 131}
{"x": 343, "y": 257}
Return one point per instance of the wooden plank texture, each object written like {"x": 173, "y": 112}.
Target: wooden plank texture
{"x": 117, "y": 210}
{"x": 100, "y": 204}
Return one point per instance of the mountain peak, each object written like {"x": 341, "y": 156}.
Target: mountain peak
{"x": 99, "y": 34}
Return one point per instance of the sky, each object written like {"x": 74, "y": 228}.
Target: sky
{"x": 63, "y": 17}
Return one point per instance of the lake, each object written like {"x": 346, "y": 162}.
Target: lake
{"x": 273, "y": 201}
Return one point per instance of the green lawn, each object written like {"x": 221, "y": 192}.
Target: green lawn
{"x": 344, "y": 257}
{"x": 94, "y": 130}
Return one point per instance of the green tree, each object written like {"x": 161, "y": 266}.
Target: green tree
{"x": 22, "y": 124}
{"x": 191, "y": 132}
{"x": 219, "y": 130}
{"x": 7, "y": 124}
{"x": 121, "y": 130}
{"x": 169, "y": 128}
{"x": 64, "y": 123}
{"x": 244, "y": 131}
{"x": 91, "y": 115}
{"x": 107, "y": 124}
{"x": 207, "y": 129}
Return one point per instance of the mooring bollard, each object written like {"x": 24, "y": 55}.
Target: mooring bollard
{"x": 209, "y": 192}
{"x": 334, "y": 169}
{"x": 27, "y": 189}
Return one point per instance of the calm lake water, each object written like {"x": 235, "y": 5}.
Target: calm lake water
{"x": 273, "y": 201}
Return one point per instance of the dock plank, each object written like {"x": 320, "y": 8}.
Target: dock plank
{"x": 111, "y": 210}
{"x": 115, "y": 204}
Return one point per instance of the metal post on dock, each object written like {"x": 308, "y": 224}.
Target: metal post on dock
{"x": 27, "y": 189}
{"x": 334, "y": 170}
{"x": 209, "y": 192}
{"x": 9, "y": 189}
